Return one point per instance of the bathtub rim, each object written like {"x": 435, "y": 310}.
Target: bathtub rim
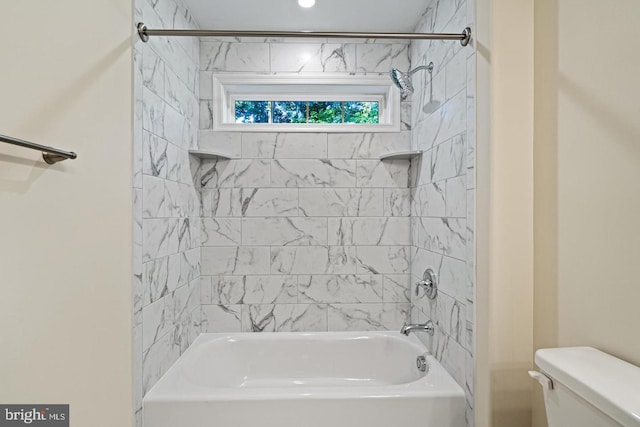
{"x": 438, "y": 383}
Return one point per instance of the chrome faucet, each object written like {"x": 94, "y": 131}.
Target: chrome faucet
{"x": 420, "y": 327}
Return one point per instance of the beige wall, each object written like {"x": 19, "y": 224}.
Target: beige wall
{"x": 586, "y": 198}
{"x": 65, "y": 257}
{"x": 505, "y": 212}
{"x": 587, "y": 177}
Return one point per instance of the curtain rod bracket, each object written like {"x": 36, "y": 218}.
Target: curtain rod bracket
{"x": 142, "y": 32}
{"x": 465, "y": 41}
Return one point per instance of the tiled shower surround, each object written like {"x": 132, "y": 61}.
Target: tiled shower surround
{"x": 167, "y": 203}
{"x": 300, "y": 231}
{"x": 443, "y": 189}
{"x": 305, "y": 231}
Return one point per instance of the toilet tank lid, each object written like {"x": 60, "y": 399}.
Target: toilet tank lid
{"x": 608, "y": 383}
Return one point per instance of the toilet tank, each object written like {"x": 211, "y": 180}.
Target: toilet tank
{"x": 588, "y": 388}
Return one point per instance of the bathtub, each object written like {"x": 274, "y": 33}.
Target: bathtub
{"x": 324, "y": 379}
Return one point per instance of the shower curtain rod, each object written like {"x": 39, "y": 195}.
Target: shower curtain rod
{"x": 145, "y": 33}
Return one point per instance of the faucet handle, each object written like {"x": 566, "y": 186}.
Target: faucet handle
{"x": 429, "y": 283}
{"x": 422, "y": 284}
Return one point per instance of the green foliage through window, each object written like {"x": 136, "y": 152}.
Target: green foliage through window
{"x": 317, "y": 112}
{"x": 253, "y": 111}
{"x": 289, "y": 112}
{"x": 325, "y": 112}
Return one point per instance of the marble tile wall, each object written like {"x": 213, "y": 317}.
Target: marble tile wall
{"x": 305, "y": 231}
{"x": 443, "y": 188}
{"x": 166, "y": 283}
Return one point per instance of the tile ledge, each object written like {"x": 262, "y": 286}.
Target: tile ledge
{"x": 210, "y": 154}
{"x": 401, "y": 155}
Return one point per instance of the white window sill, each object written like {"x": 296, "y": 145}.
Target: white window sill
{"x": 310, "y": 128}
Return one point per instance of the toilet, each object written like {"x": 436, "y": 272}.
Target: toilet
{"x": 585, "y": 387}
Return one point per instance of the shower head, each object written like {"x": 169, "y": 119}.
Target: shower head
{"x": 403, "y": 80}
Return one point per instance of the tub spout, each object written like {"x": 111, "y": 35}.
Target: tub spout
{"x": 421, "y": 327}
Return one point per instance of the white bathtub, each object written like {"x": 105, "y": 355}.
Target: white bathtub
{"x": 326, "y": 379}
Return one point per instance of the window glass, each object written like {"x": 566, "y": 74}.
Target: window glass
{"x": 289, "y": 112}
{"x": 253, "y": 111}
{"x": 325, "y": 112}
{"x": 361, "y": 112}
{"x": 317, "y": 112}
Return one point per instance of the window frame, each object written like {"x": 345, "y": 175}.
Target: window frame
{"x": 228, "y": 88}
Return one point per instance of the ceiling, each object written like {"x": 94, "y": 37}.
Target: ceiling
{"x": 326, "y": 15}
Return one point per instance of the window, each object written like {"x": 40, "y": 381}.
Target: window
{"x": 320, "y": 103}
{"x": 326, "y": 112}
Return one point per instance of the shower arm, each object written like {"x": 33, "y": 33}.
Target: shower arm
{"x": 421, "y": 67}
